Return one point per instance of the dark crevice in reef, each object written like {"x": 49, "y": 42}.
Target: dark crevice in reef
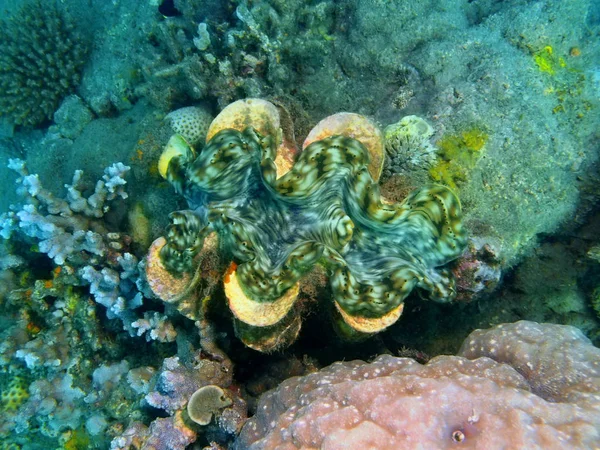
{"x": 167, "y": 8}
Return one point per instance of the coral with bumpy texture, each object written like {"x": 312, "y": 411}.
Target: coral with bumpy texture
{"x": 525, "y": 385}
{"x": 408, "y": 146}
{"x": 168, "y": 433}
{"x": 13, "y": 395}
{"x": 326, "y": 209}
{"x": 41, "y": 58}
{"x": 177, "y": 381}
{"x": 191, "y": 122}
{"x": 558, "y": 361}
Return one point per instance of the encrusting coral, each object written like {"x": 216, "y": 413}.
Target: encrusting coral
{"x": 13, "y": 395}
{"x": 200, "y": 385}
{"x": 326, "y": 209}
{"x": 41, "y": 58}
{"x": 521, "y": 385}
{"x": 458, "y": 154}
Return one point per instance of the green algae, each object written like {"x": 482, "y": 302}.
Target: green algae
{"x": 458, "y": 154}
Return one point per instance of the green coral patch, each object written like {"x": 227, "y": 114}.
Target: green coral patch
{"x": 457, "y": 155}
{"x": 14, "y": 394}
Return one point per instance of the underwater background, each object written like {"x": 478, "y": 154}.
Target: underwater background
{"x": 202, "y": 201}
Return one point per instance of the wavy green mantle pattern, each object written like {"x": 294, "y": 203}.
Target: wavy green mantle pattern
{"x": 326, "y": 210}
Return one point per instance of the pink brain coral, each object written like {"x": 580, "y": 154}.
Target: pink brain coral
{"x": 521, "y": 385}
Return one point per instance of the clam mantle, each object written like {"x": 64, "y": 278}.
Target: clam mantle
{"x": 277, "y": 213}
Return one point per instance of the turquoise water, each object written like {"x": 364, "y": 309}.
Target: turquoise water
{"x": 102, "y": 347}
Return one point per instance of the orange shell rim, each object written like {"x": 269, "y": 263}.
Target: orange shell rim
{"x": 370, "y": 326}
{"x": 258, "y": 314}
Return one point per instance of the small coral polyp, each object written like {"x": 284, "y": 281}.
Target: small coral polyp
{"x": 325, "y": 210}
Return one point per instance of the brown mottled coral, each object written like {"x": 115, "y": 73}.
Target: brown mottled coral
{"x": 521, "y": 385}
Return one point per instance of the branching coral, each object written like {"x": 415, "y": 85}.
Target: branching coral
{"x": 72, "y": 232}
{"x": 325, "y": 210}
{"x": 41, "y": 58}
{"x": 65, "y": 227}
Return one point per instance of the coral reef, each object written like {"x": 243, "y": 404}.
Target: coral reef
{"x": 57, "y": 335}
{"x": 56, "y": 360}
{"x": 212, "y": 53}
{"x": 177, "y": 381}
{"x": 14, "y": 394}
{"x": 102, "y": 347}
{"x": 65, "y": 227}
{"x": 183, "y": 386}
{"x": 217, "y": 51}
{"x": 507, "y": 387}
{"x": 326, "y": 209}
{"x": 86, "y": 385}
{"x": 477, "y": 272}
{"x": 40, "y": 62}
{"x": 72, "y": 233}
{"x": 316, "y": 53}
{"x": 170, "y": 433}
